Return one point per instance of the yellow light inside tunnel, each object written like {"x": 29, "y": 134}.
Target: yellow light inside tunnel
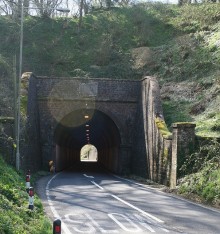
{"x": 86, "y": 116}
{"x": 87, "y": 125}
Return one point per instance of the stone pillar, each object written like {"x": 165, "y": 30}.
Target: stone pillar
{"x": 182, "y": 145}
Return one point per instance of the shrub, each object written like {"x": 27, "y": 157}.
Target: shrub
{"x": 14, "y": 212}
{"x": 203, "y": 169}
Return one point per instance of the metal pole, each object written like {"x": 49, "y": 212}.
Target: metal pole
{"x": 19, "y": 89}
{"x": 19, "y": 86}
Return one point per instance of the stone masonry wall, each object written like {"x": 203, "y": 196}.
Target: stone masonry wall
{"x": 146, "y": 149}
{"x": 57, "y": 97}
{"x": 157, "y": 136}
{"x": 31, "y": 146}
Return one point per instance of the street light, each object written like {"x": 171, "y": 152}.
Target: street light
{"x": 66, "y": 10}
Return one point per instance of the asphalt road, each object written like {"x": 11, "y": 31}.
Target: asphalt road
{"x": 98, "y": 202}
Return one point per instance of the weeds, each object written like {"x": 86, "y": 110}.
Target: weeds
{"x": 16, "y": 218}
{"x": 203, "y": 173}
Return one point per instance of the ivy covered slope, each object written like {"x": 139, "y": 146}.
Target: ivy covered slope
{"x": 15, "y": 217}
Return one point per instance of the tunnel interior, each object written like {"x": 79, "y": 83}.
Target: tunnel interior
{"x": 87, "y": 127}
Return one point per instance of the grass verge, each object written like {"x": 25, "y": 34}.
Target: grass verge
{"x": 15, "y": 217}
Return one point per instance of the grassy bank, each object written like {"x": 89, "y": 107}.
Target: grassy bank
{"x": 202, "y": 170}
{"x": 15, "y": 217}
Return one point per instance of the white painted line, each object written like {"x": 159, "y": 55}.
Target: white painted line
{"x": 55, "y": 214}
{"x": 91, "y": 177}
{"x": 141, "y": 222}
{"x": 130, "y": 205}
{"x": 98, "y": 226}
{"x": 112, "y": 216}
{"x": 136, "y": 208}
{"x": 90, "y": 228}
{"x": 97, "y": 185}
{"x": 169, "y": 194}
{"x": 164, "y": 229}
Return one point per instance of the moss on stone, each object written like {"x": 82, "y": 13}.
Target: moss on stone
{"x": 184, "y": 124}
{"x": 162, "y": 127}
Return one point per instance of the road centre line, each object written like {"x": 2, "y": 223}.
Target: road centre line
{"x": 92, "y": 177}
{"x": 130, "y": 205}
{"x": 93, "y": 182}
{"x": 136, "y": 208}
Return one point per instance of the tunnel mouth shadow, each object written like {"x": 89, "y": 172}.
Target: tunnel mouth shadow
{"x": 87, "y": 167}
{"x": 99, "y": 133}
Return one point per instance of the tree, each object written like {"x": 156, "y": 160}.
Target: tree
{"x": 46, "y": 8}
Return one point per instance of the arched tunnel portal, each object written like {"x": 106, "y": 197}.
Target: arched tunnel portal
{"x": 84, "y": 126}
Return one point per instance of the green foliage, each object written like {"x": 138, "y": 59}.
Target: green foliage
{"x": 203, "y": 169}
{"x": 5, "y": 70}
{"x": 176, "y": 111}
{"x": 207, "y": 154}
{"x": 197, "y": 17}
{"x": 209, "y": 124}
{"x": 15, "y": 216}
{"x": 56, "y": 47}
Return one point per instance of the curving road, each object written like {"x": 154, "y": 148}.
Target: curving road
{"x": 88, "y": 201}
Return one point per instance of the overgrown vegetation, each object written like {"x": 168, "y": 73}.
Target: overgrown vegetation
{"x": 15, "y": 216}
{"x": 202, "y": 170}
{"x": 183, "y": 48}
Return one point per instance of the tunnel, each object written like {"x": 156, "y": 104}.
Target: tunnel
{"x": 83, "y": 127}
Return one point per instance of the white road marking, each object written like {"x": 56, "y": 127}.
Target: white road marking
{"x": 90, "y": 229}
{"x": 99, "y": 227}
{"x": 166, "y": 194}
{"x": 136, "y": 208}
{"x": 97, "y": 185}
{"x": 137, "y": 229}
{"x": 55, "y": 214}
{"x": 130, "y": 205}
{"x": 91, "y": 177}
{"x": 141, "y": 222}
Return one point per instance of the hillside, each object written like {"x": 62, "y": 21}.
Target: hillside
{"x": 179, "y": 45}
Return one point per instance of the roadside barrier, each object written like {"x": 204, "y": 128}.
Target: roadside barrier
{"x": 29, "y": 173}
{"x": 57, "y": 226}
{"x": 31, "y": 198}
{"x": 28, "y": 184}
{"x": 28, "y": 180}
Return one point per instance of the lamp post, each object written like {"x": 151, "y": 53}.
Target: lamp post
{"x": 65, "y": 10}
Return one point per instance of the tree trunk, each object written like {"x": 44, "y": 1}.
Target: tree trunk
{"x": 80, "y": 14}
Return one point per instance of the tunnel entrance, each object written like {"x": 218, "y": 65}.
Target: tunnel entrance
{"x": 85, "y": 127}
{"x": 88, "y": 153}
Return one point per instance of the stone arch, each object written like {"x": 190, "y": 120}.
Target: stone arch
{"x": 70, "y": 137}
